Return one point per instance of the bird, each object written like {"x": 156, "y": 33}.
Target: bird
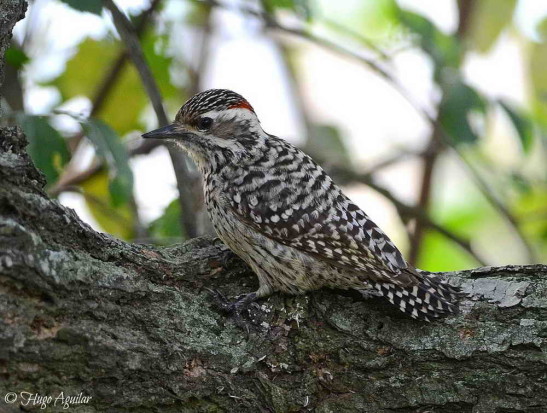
{"x": 279, "y": 211}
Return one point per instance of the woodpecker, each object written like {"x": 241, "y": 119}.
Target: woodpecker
{"x": 277, "y": 209}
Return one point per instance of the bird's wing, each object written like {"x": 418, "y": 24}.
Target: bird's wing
{"x": 302, "y": 208}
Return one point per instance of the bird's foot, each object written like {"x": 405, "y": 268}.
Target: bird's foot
{"x": 234, "y": 308}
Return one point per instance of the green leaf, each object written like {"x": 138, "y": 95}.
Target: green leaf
{"x": 444, "y": 50}
{"x": 167, "y": 229}
{"x": 441, "y": 254}
{"x": 531, "y": 208}
{"x": 116, "y": 220}
{"x": 155, "y": 51}
{"x": 458, "y": 104}
{"x": 488, "y": 19}
{"x": 538, "y": 79}
{"x": 124, "y": 105}
{"x": 47, "y": 147}
{"x": 90, "y": 6}
{"x": 523, "y": 125}
{"x": 85, "y": 72}
{"x": 15, "y": 57}
{"x": 281, "y": 4}
{"x": 464, "y": 218}
{"x": 110, "y": 148}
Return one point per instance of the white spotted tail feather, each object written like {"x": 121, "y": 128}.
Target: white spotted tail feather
{"x": 430, "y": 299}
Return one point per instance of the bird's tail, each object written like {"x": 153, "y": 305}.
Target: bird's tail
{"x": 427, "y": 300}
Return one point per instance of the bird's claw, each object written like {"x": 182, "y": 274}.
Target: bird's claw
{"x": 232, "y": 307}
{"x": 220, "y": 301}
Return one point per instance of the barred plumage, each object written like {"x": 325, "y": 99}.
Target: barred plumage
{"x": 281, "y": 213}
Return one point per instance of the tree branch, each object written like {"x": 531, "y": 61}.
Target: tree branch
{"x": 133, "y": 47}
{"x": 133, "y": 327}
{"x": 435, "y": 146}
{"x": 179, "y": 160}
{"x": 112, "y": 76}
{"x": 501, "y": 208}
{"x": 429, "y": 159}
{"x": 272, "y": 23}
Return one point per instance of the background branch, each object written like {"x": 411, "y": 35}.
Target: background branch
{"x": 435, "y": 146}
{"x": 375, "y": 66}
{"x": 502, "y": 210}
{"x": 179, "y": 160}
{"x": 112, "y": 75}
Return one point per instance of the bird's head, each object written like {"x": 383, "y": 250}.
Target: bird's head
{"x": 217, "y": 123}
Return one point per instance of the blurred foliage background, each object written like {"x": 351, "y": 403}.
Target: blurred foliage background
{"x": 466, "y": 187}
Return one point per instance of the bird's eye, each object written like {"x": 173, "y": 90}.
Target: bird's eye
{"x": 205, "y": 124}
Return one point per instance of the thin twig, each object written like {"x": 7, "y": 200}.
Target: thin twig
{"x": 435, "y": 147}
{"x": 107, "y": 209}
{"x": 394, "y": 159}
{"x": 500, "y": 207}
{"x": 112, "y": 75}
{"x": 97, "y": 166}
{"x": 362, "y": 59}
{"x": 429, "y": 159}
{"x": 184, "y": 180}
{"x": 361, "y": 39}
{"x": 133, "y": 47}
{"x": 274, "y": 24}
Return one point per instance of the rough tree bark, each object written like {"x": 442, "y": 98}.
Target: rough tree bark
{"x": 134, "y": 327}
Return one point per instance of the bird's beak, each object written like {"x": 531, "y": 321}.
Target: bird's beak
{"x": 167, "y": 132}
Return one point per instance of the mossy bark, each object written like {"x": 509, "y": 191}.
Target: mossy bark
{"x": 135, "y": 328}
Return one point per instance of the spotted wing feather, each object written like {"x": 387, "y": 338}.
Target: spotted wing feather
{"x": 289, "y": 198}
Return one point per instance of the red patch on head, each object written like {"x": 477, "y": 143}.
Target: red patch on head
{"x": 243, "y": 104}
